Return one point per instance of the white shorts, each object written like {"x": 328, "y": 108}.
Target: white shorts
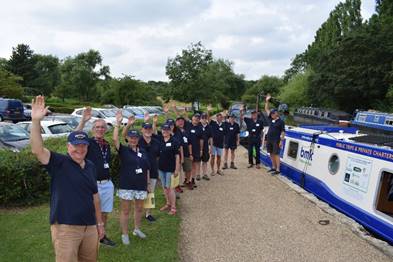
{"x": 126, "y": 194}
{"x": 106, "y": 191}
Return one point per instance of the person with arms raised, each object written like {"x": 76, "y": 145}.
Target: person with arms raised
{"x": 75, "y": 213}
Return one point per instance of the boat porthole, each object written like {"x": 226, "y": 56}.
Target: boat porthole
{"x": 334, "y": 164}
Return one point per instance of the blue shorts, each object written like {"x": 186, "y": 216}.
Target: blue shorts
{"x": 216, "y": 151}
{"x": 165, "y": 178}
{"x": 106, "y": 191}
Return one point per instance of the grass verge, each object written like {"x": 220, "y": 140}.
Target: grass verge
{"x": 26, "y": 236}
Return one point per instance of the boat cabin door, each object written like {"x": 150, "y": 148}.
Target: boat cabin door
{"x": 385, "y": 194}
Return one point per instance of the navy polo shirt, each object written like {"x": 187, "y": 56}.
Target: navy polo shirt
{"x": 276, "y": 127}
{"x": 195, "y": 137}
{"x": 206, "y": 134}
{"x": 231, "y": 132}
{"x": 72, "y": 189}
{"x": 101, "y": 158}
{"x": 152, "y": 150}
{"x": 254, "y": 128}
{"x": 218, "y": 133}
{"x": 187, "y": 125}
{"x": 168, "y": 152}
{"x": 182, "y": 137}
{"x": 133, "y": 169}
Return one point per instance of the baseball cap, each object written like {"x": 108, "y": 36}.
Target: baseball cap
{"x": 166, "y": 127}
{"x": 272, "y": 111}
{"x": 147, "y": 125}
{"x": 132, "y": 133}
{"x": 253, "y": 111}
{"x": 232, "y": 115}
{"x": 180, "y": 118}
{"x": 197, "y": 115}
{"x": 170, "y": 121}
{"x": 203, "y": 115}
{"x": 78, "y": 138}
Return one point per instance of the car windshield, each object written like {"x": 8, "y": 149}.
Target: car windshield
{"x": 70, "y": 120}
{"x": 138, "y": 111}
{"x": 108, "y": 113}
{"x": 10, "y": 133}
{"x": 60, "y": 129}
{"x": 126, "y": 113}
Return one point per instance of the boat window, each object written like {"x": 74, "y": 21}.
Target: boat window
{"x": 334, "y": 164}
{"x": 362, "y": 118}
{"x": 292, "y": 149}
{"x": 389, "y": 121}
{"x": 384, "y": 201}
{"x": 376, "y": 119}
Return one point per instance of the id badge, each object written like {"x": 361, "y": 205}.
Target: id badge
{"x": 139, "y": 154}
{"x": 185, "y": 139}
{"x": 231, "y": 128}
{"x": 253, "y": 130}
{"x": 257, "y": 124}
{"x": 192, "y": 131}
{"x": 221, "y": 129}
{"x": 106, "y": 165}
{"x": 168, "y": 144}
{"x": 138, "y": 171}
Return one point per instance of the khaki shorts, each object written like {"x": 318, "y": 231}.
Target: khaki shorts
{"x": 75, "y": 243}
{"x": 187, "y": 165}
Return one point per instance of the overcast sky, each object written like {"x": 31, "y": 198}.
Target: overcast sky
{"x": 136, "y": 37}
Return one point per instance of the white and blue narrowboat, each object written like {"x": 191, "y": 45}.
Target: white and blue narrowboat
{"x": 373, "y": 122}
{"x": 350, "y": 171}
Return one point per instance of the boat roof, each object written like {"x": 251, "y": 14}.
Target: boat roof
{"x": 375, "y": 113}
{"x": 333, "y": 111}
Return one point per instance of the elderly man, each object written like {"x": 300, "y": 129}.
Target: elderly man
{"x": 99, "y": 152}
{"x": 75, "y": 214}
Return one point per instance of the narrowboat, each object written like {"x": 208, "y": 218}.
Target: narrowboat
{"x": 320, "y": 116}
{"x": 352, "y": 172}
{"x": 374, "y": 122}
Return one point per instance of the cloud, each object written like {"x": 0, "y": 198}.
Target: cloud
{"x": 137, "y": 37}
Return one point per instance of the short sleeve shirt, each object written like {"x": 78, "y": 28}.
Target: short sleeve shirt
{"x": 218, "y": 133}
{"x": 206, "y": 135}
{"x": 72, "y": 188}
{"x": 168, "y": 152}
{"x": 152, "y": 150}
{"x": 134, "y": 166}
{"x": 195, "y": 137}
{"x": 254, "y": 128}
{"x": 276, "y": 127}
{"x": 231, "y": 132}
{"x": 182, "y": 137}
{"x": 101, "y": 157}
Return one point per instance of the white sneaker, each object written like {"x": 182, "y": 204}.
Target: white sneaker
{"x": 139, "y": 233}
{"x": 125, "y": 239}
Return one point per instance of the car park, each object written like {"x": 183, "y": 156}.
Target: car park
{"x": 137, "y": 112}
{"x": 49, "y": 129}
{"x": 72, "y": 121}
{"x": 13, "y": 137}
{"x": 108, "y": 115}
{"x": 11, "y": 110}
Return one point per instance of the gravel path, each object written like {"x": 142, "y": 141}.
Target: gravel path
{"x": 247, "y": 215}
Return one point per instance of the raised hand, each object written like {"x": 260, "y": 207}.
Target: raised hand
{"x": 146, "y": 117}
{"x": 131, "y": 120}
{"x": 241, "y": 107}
{"x": 86, "y": 114}
{"x": 165, "y": 108}
{"x": 268, "y": 97}
{"x": 38, "y": 109}
{"x": 155, "y": 118}
{"x": 209, "y": 107}
{"x": 119, "y": 117}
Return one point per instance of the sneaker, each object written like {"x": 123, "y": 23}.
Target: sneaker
{"x": 276, "y": 173}
{"x": 193, "y": 183}
{"x": 205, "y": 177}
{"x": 190, "y": 186}
{"x": 139, "y": 233}
{"x": 225, "y": 166}
{"x": 233, "y": 165}
{"x": 125, "y": 239}
{"x": 212, "y": 173}
{"x": 219, "y": 172}
{"x": 271, "y": 170}
{"x": 150, "y": 218}
{"x": 184, "y": 183}
{"x": 178, "y": 189}
{"x": 250, "y": 165}
{"x": 198, "y": 177}
{"x": 107, "y": 242}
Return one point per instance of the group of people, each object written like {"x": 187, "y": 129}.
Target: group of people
{"x": 82, "y": 192}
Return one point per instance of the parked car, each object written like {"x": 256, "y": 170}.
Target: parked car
{"x": 13, "y": 137}
{"x": 109, "y": 115}
{"x": 27, "y": 111}
{"x": 152, "y": 110}
{"x": 137, "y": 112}
{"x": 72, "y": 121}
{"x": 49, "y": 129}
{"x": 11, "y": 109}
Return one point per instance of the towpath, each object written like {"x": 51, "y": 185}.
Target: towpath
{"x": 248, "y": 215}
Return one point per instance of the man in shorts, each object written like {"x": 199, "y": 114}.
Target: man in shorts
{"x": 99, "y": 152}
{"x": 195, "y": 146}
{"x": 218, "y": 134}
{"x": 181, "y": 136}
{"x": 232, "y": 140}
{"x": 207, "y": 140}
{"x": 275, "y": 137}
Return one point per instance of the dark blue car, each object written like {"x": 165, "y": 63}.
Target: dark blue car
{"x": 12, "y": 110}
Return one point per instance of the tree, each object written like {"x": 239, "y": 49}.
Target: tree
{"x": 21, "y": 63}
{"x": 9, "y": 85}
{"x": 265, "y": 85}
{"x": 185, "y": 72}
{"x": 46, "y": 68}
{"x": 294, "y": 93}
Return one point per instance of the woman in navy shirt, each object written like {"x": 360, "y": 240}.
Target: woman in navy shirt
{"x": 134, "y": 177}
{"x": 168, "y": 165}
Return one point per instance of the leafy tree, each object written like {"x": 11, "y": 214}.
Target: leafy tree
{"x": 266, "y": 85}
{"x": 9, "y": 85}
{"x": 21, "y": 63}
{"x": 47, "y": 73}
{"x": 185, "y": 72}
{"x": 294, "y": 93}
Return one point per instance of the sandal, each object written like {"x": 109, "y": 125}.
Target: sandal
{"x": 165, "y": 208}
{"x": 172, "y": 212}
